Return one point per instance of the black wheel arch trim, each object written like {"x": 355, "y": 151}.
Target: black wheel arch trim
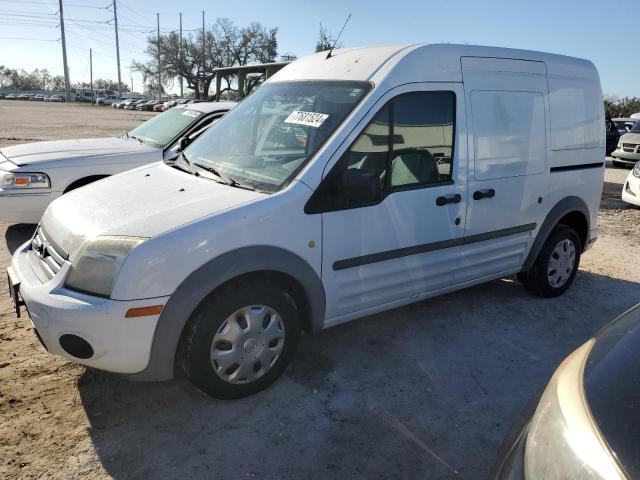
{"x": 563, "y": 207}
{"x": 201, "y": 282}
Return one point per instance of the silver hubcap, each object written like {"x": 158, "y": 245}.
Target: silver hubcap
{"x": 561, "y": 263}
{"x": 247, "y": 344}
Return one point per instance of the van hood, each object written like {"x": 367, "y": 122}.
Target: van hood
{"x": 41, "y": 152}
{"x": 144, "y": 202}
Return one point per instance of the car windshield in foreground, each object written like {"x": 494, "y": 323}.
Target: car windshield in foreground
{"x": 269, "y": 137}
{"x": 636, "y": 128}
{"x": 160, "y": 130}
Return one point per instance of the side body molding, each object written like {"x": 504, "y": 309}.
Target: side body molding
{"x": 206, "y": 279}
{"x": 562, "y": 208}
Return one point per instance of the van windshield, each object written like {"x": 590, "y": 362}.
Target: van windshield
{"x": 269, "y": 137}
{"x": 163, "y": 128}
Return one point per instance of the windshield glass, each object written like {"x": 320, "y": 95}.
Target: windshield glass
{"x": 636, "y": 128}
{"x": 163, "y": 128}
{"x": 269, "y": 137}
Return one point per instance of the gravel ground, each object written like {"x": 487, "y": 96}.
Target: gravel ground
{"x": 424, "y": 391}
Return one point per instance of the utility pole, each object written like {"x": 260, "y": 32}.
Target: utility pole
{"x": 64, "y": 55}
{"x": 91, "y": 73}
{"x": 181, "y": 92}
{"x": 115, "y": 22}
{"x": 159, "y": 67}
{"x": 204, "y": 54}
{"x": 131, "y": 77}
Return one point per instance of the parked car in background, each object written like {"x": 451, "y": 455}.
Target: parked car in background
{"x": 118, "y": 104}
{"x": 32, "y": 175}
{"x": 2, "y": 95}
{"x": 169, "y": 104}
{"x": 12, "y": 96}
{"x": 613, "y": 135}
{"x": 631, "y": 187}
{"x": 125, "y": 103}
{"x": 107, "y": 100}
{"x": 158, "y": 107}
{"x": 56, "y": 98}
{"x": 624, "y": 124}
{"x": 337, "y": 189}
{"x": 39, "y": 98}
{"x": 23, "y": 96}
{"x": 133, "y": 105}
{"x": 148, "y": 105}
{"x": 586, "y": 423}
{"x": 627, "y": 153}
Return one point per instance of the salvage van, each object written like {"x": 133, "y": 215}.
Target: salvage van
{"x": 348, "y": 184}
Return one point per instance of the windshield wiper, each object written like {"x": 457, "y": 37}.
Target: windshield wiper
{"x": 137, "y": 138}
{"x": 174, "y": 163}
{"x": 227, "y": 180}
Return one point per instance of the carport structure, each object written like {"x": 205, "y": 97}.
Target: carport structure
{"x": 241, "y": 73}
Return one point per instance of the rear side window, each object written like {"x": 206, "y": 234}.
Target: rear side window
{"x": 509, "y": 133}
{"x": 408, "y": 144}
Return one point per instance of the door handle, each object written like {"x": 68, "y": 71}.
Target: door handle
{"x": 480, "y": 194}
{"x": 443, "y": 200}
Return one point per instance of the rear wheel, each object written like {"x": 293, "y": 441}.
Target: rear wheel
{"x": 556, "y": 265}
{"x": 240, "y": 340}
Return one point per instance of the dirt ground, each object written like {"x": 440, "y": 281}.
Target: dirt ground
{"x": 424, "y": 391}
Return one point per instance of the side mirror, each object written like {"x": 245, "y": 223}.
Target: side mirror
{"x": 360, "y": 187}
{"x": 184, "y": 143}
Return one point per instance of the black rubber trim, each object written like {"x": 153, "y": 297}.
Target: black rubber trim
{"x": 429, "y": 247}
{"x": 581, "y": 166}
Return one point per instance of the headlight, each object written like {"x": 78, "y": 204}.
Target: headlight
{"x": 564, "y": 440}
{"x": 25, "y": 180}
{"x": 636, "y": 170}
{"x": 95, "y": 269}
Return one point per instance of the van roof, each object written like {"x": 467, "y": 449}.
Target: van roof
{"x": 417, "y": 62}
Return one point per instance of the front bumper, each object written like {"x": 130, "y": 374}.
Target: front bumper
{"x": 24, "y": 207}
{"x": 623, "y": 156}
{"x": 119, "y": 344}
{"x": 631, "y": 190}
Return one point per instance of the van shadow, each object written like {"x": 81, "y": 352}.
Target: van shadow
{"x": 17, "y": 234}
{"x": 431, "y": 387}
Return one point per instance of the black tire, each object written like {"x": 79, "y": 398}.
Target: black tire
{"x": 537, "y": 280}
{"x": 194, "y": 352}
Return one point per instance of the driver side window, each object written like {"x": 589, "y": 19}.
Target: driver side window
{"x": 408, "y": 144}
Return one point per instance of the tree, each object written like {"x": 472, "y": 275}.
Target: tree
{"x": 222, "y": 45}
{"x": 98, "y": 84}
{"x": 326, "y": 41}
{"x": 621, "y": 107}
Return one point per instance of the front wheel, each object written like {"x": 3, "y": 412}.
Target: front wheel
{"x": 239, "y": 340}
{"x": 556, "y": 265}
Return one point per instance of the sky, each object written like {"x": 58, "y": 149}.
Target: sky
{"x": 569, "y": 27}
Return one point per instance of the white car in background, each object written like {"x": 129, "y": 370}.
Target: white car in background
{"x": 628, "y": 150}
{"x": 631, "y": 188}
{"x": 32, "y": 175}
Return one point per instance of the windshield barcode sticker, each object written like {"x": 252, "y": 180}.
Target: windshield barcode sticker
{"x": 310, "y": 119}
{"x": 191, "y": 113}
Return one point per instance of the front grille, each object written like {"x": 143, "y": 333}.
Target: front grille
{"x": 630, "y": 147}
{"x": 50, "y": 256}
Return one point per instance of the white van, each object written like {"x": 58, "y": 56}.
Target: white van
{"x": 345, "y": 185}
